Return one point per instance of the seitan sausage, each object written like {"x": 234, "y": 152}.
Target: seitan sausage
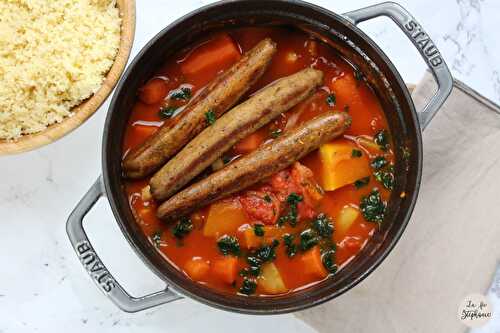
{"x": 258, "y": 165}
{"x": 236, "y": 124}
{"x": 218, "y": 97}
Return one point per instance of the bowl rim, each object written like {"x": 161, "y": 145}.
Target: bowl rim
{"x": 88, "y": 107}
{"x": 110, "y": 189}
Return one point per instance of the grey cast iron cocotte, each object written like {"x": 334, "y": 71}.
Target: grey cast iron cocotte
{"x": 341, "y": 32}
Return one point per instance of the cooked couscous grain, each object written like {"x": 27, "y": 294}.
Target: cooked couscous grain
{"x": 53, "y": 55}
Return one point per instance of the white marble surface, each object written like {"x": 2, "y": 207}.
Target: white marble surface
{"x": 43, "y": 286}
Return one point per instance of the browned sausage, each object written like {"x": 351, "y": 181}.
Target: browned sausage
{"x": 257, "y": 166}
{"x": 236, "y": 124}
{"x": 220, "y": 95}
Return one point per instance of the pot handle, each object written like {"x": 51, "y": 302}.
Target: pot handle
{"x": 427, "y": 48}
{"x": 94, "y": 266}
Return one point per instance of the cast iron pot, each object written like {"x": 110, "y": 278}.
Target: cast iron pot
{"x": 341, "y": 32}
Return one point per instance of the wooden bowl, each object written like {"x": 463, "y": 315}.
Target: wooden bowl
{"x": 84, "y": 110}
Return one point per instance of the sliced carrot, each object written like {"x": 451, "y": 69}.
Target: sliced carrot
{"x": 196, "y": 268}
{"x": 226, "y": 269}
{"x": 312, "y": 263}
{"x": 141, "y": 132}
{"x": 214, "y": 56}
{"x": 154, "y": 91}
{"x": 251, "y": 241}
{"x": 249, "y": 144}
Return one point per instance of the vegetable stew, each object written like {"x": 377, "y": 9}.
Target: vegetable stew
{"x": 303, "y": 223}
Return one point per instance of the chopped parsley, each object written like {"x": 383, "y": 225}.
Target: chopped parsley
{"x": 382, "y": 140}
{"x": 292, "y": 200}
{"x": 358, "y": 75}
{"x": 385, "y": 177}
{"x": 167, "y": 112}
{"x": 372, "y": 207}
{"x": 182, "y": 228}
{"x": 183, "y": 93}
{"x": 248, "y": 287}
{"x": 258, "y": 230}
{"x": 328, "y": 259}
{"x": 156, "y": 238}
{"x": 276, "y": 133}
{"x": 361, "y": 182}
{"x": 323, "y": 225}
{"x": 229, "y": 245}
{"x": 258, "y": 257}
{"x": 331, "y": 100}
{"x": 356, "y": 153}
{"x": 210, "y": 117}
{"x": 290, "y": 247}
{"x": 378, "y": 162}
{"x": 308, "y": 239}
{"x": 226, "y": 159}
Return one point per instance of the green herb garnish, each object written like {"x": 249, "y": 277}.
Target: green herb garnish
{"x": 328, "y": 259}
{"x": 378, "y": 162}
{"x": 183, "y": 93}
{"x": 248, "y": 287}
{"x": 292, "y": 200}
{"x": 182, "y": 228}
{"x": 276, "y": 133}
{"x": 356, "y": 153}
{"x": 323, "y": 225}
{"x": 229, "y": 245}
{"x": 290, "y": 247}
{"x": 331, "y": 100}
{"x": 382, "y": 140}
{"x": 156, "y": 238}
{"x": 358, "y": 75}
{"x": 362, "y": 182}
{"x": 372, "y": 207}
{"x": 167, "y": 112}
{"x": 226, "y": 159}
{"x": 308, "y": 239}
{"x": 210, "y": 117}
{"x": 385, "y": 177}
{"x": 258, "y": 230}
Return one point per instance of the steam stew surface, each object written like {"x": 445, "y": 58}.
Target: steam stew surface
{"x": 302, "y": 224}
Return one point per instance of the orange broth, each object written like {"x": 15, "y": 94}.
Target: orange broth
{"x": 296, "y": 51}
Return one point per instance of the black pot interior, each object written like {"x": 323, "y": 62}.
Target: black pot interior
{"x": 360, "y": 51}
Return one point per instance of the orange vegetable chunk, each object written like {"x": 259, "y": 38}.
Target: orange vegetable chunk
{"x": 312, "y": 264}
{"x": 154, "y": 91}
{"x": 249, "y": 143}
{"x": 225, "y": 269}
{"x": 340, "y": 167}
{"x": 197, "y": 268}
{"x": 212, "y": 56}
{"x": 224, "y": 217}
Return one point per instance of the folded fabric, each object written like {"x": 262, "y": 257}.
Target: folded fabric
{"x": 451, "y": 246}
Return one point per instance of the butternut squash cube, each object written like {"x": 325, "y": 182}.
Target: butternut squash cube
{"x": 270, "y": 280}
{"x": 340, "y": 167}
{"x": 224, "y": 217}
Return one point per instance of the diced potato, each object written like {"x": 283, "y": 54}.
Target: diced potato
{"x": 146, "y": 194}
{"x": 270, "y": 280}
{"x": 345, "y": 219}
{"x": 339, "y": 167}
{"x": 224, "y": 217}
